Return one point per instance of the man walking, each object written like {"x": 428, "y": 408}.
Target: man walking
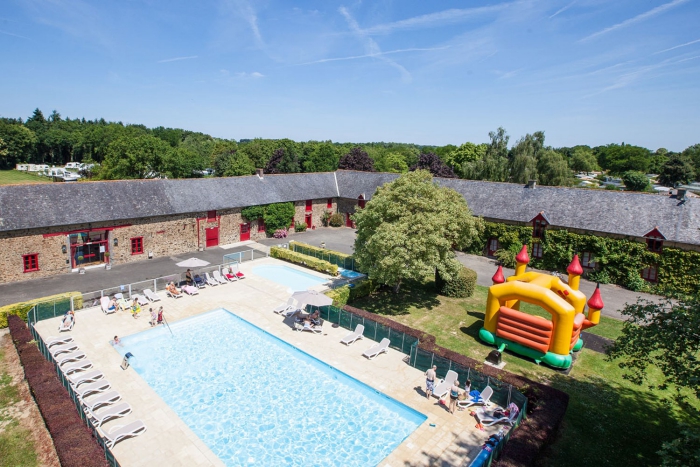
{"x": 430, "y": 381}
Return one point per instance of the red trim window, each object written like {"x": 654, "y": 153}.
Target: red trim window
{"x": 309, "y": 204}
{"x": 361, "y": 201}
{"x": 329, "y": 203}
{"x": 493, "y": 246}
{"x": 587, "y": 260}
{"x": 211, "y": 216}
{"x": 537, "y": 250}
{"x": 650, "y": 274}
{"x": 655, "y": 244}
{"x": 137, "y": 246}
{"x": 261, "y": 225}
{"x": 538, "y": 227}
{"x": 31, "y": 262}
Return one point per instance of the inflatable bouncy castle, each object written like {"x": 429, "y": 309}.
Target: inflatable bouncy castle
{"x": 543, "y": 340}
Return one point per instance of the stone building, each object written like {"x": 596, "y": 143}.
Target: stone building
{"x": 49, "y": 229}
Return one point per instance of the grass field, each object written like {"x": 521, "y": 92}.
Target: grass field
{"x": 609, "y": 421}
{"x": 8, "y": 177}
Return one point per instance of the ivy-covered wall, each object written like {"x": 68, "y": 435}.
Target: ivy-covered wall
{"x": 618, "y": 261}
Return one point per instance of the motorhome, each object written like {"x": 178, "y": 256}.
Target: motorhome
{"x": 22, "y": 167}
{"x": 61, "y": 174}
{"x": 73, "y": 165}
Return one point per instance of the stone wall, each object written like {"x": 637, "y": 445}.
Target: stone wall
{"x": 318, "y": 207}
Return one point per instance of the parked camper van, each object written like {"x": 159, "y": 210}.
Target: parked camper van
{"x": 22, "y": 167}
{"x": 39, "y": 168}
{"x": 72, "y": 165}
{"x": 61, "y": 174}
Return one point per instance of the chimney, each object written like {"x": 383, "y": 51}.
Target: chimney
{"x": 259, "y": 173}
{"x": 532, "y": 184}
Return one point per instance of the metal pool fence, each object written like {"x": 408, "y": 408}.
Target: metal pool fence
{"x": 331, "y": 256}
{"x": 32, "y": 318}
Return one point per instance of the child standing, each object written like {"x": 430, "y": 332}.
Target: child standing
{"x": 154, "y": 317}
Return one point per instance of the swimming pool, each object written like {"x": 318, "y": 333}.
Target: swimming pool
{"x": 256, "y": 400}
{"x": 292, "y": 278}
{"x": 349, "y": 273}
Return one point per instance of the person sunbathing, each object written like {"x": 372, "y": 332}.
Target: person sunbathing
{"x": 172, "y": 289}
{"x": 112, "y": 304}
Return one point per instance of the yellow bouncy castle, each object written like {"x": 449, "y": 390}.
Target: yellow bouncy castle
{"x": 552, "y": 342}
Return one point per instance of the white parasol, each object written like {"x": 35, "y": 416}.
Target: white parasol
{"x": 192, "y": 263}
{"x": 312, "y": 297}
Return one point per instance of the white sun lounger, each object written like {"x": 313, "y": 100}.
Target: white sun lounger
{"x": 65, "y": 348}
{"x": 210, "y": 281}
{"x": 377, "y": 349}
{"x": 151, "y": 295}
{"x": 51, "y": 341}
{"x": 106, "y": 398}
{"x": 104, "y": 304}
{"x": 85, "y": 377}
{"x": 291, "y": 311}
{"x": 124, "y": 304}
{"x": 120, "y": 432}
{"x": 309, "y": 327}
{"x": 143, "y": 301}
{"x": 285, "y": 306}
{"x": 109, "y": 413}
{"x": 445, "y": 385}
{"x": 488, "y": 420}
{"x": 230, "y": 275}
{"x": 92, "y": 388}
{"x": 353, "y": 336}
{"x": 71, "y": 357}
{"x": 80, "y": 365}
{"x": 66, "y": 327}
{"x": 219, "y": 278}
{"x": 484, "y": 399}
{"x": 189, "y": 290}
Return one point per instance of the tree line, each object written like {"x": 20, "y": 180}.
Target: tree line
{"x": 129, "y": 151}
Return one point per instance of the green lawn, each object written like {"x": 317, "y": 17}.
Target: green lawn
{"x": 609, "y": 420}
{"x": 8, "y": 177}
{"x": 16, "y": 446}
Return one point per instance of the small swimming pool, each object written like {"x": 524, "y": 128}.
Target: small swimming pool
{"x": 290, "y": 277}
{"x": 256, "y": 400}
{"x": 349, "y": 273}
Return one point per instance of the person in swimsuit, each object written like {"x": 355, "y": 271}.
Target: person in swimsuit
{"x": 430, "y": 376}
{"x": 454, "y": 396}
{"x": 160, "y": 316}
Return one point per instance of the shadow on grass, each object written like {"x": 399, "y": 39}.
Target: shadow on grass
{"x": 413, "y": 294}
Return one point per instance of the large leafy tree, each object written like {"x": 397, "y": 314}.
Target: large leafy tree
{"x": 138, "y": 157}
{"x": 636, "y": 181}
{"x": 356, "y": 159}
{"x": 693, "y": 153}
{"x": 433, "y": 164}
{"x": 233, "y": 164}
{"x": 665, "y": 336}
{"x": 678, "y": 169}
{"x": 281, "y": 162}
{"x": 494, "y": 165}
{"x": 553, "y": 169}
{"x": 524, "y": 157}
{"x": 409, "y": 229}
{"x": 467, "y": 153}
{"x": 19, "y": 141}
{"x": 582, "y": 159}
{"x": 618, "y": 159}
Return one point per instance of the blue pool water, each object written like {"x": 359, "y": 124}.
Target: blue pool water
{"x": 292, "y": 278}
{"x": 256, "y": 400}
{"x": 349, "y": 273}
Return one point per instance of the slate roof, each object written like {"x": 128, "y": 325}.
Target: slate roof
{"x": 613, "y": 212}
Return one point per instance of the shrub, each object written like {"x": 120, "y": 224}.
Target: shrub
{"x": 252, "y": 213}
{"x": 361, "y": 289}
{"x": 22, "y": 308}
{"x": 278, "y": 215}
{"x": 300, "y": 226}
{"x": 340, "y": 296}
{"x": 507, "y": 256}
{"x": 281, "y": 233}
{"x": 308, "y": 261}
{"x": 336, "y": 220}
{"x": 461, "y": 285}
{"x": 335, "y": 257}
{"x": 325, "y": 218}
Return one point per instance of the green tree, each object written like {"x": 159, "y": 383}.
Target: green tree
{"x": 677, "y": 170}
{"x": 693, "y": 153}
{"x": 618, "y": 159}
{"x": 552, "y": 169}
{"x": 394, "y": 162}
{"x": 139, "y": 157}
{"x": 182, "y": 162}
{"x": 465, "y": 154}
{"x": 20, "y": 142}
{"x": 278, "y": 216}
{"x": 409, "y": 229}
{"x": 3, "y": 149}
{"x": 233, "y": 164}
{"x": 322, "y": 157}
{"x": 494, "y": 165}
{"x": 636, "y": 181}
{"x": 583, "y": 160}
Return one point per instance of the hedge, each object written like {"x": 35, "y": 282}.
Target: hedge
{"x": 308, "y": 261}
{"x": 22, "y": 308}
{"x": 340, "y": 296}
{"x": 618, "y": 261}
{"x": 74, "y": 442}
{"x": 461, "y": 286}
{"x": 334, "y": 257}
{"x": 546, "y": 406}
{"x": 361, "y": 289}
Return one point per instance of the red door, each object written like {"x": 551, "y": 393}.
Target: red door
{"x": 348, "y": 221}
{"x": 212, "y": 235}
{"x": 307, "y": 218}
{"x": 245, "y": 232}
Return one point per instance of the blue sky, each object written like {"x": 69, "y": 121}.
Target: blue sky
{"x": 584, "y": 71}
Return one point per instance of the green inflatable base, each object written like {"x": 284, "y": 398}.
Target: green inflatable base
{"x": 578, "y": 345}
{"x": 552, "y": 359}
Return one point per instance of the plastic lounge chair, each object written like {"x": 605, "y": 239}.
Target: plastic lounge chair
{"x": 484, "y": 399}
{"x": 92, "y": 388}
{"x": 80, "y": 365}
{"x": 309, "y": 327}
{"x": 445, "y": 385}
{"x": 172, "y": 295}
{"x": 292, "y": 311}
{"x": 70, "y": 357}
{"x": 283, "y": 308}
{"x": 85, "y": 377}
{"x": 100, "y": 400}
{"x": 151, "y": 295}
{"x": 109, "y": 413}
{"x": 141, "y": 300}
{"x": 353, "y": 336}
{"x": 63, "y": 349}
{"x": 189, "y": 290}
{"x": 210, "y": 281}
{"x": 239, "y": 275}
{"x": 219, "y": 278}
{"x": 377, "y": 349}
{"x": 66, "y": 327}
{"x": 229, "y": 274}
{"x": 124, "y": 304}
{"x": 51, "y": 341}
{"x": 487, "y": 420}
{"x": 104, "y": 304}
{"x": 120, "y": 432}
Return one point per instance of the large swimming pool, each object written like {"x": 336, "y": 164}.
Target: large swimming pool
{"x": 292, "y": 278}
{"x": 256, "y": 400}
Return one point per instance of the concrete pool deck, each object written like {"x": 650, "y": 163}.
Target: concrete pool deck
{"x": 169, "y": 441}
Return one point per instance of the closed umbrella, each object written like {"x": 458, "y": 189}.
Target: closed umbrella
{"x": 312, "y": 297}
{"x": 192, "y": 263}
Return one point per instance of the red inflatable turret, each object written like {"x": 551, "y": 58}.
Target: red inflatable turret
{"x": 575, "y": 270}
{"x": 498, "y": 278}
{"x": 521, "y": 261}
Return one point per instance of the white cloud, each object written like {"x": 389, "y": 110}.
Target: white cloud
{"x": 563, "y": 9}
{"x": 355, "y": 57}
{"x": 177, "y": 59}
{"x": 677, "y": 47}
